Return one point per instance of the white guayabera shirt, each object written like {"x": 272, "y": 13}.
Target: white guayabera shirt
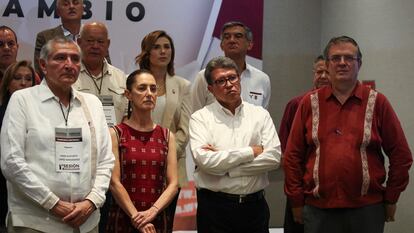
{"x": 28, "y": 158}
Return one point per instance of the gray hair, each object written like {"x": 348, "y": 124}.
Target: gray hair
{"x": 48, "y": 47}
{"x": 248, "y": 32}
{"x": 339, "y": 40}
{"x": 216, "y": 63}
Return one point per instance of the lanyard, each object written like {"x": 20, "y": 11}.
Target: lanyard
{"x": 93, "y": 79}
{"x": 66, "y": 117}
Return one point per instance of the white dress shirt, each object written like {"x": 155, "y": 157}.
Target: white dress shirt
{"x": 28, "y": 158}
{"x": 255, "y": 88}
{"x": 112, "y": 82}
{"x": 233, "y": 167}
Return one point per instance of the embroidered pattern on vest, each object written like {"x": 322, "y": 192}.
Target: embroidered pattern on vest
{"x": 315, "y": 126}
{"x": 369, "y": 113}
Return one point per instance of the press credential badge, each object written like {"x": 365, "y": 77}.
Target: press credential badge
{"x": 68, "y": 149}
{"x": 109, "y": 109}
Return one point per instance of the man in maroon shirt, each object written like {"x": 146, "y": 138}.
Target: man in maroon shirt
{"x": 334, "y": 165}
{"x": 320, "y": 79}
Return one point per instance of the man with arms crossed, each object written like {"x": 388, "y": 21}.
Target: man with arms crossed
{"x": 234, "y": 144}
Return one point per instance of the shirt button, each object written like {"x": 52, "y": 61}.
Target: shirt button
{"x": 338, "y": 132}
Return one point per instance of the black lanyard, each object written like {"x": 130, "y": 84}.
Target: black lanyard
{"x": 66, "y": 117}
{"x": 93, "y": 79}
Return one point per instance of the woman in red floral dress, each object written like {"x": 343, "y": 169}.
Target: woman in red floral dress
{"x": 144, "y": 179}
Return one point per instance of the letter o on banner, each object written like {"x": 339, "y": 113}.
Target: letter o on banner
{"x": 131, "y": 7}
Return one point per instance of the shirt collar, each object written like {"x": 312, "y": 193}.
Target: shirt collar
{"x": 247, "y": 71}
{"x": 45, "y": 93}
{"x": 228, "y": 112}
{"x": 105, "y": 68}
{"x": 69, "y": 35}
{"x": 327, "y": 91}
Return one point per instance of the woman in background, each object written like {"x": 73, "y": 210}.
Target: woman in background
{"x": 17, "y": 76}
{"x": 173, "y": 107}
{"x": 144, "y": 179}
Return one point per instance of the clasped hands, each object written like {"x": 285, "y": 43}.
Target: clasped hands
{"x": 142, "y": 220}
{"x": 73, "y": 214}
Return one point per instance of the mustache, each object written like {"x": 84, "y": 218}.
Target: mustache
{"x": 70, "y": 73}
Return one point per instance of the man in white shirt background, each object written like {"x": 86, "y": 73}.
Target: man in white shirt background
{"x": 97, "y": 76}
{"x": 236, "y": 41}
{"x": 234, "y": 144}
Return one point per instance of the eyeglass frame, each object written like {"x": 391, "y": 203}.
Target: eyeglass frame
{"x": 222, "y": 82}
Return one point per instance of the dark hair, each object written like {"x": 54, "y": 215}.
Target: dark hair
{"x": 339, "y": 40}
{"x": 143, "y": 59}
{"x": 4, "y": 28}
{"x": 219, "y": 62}
{"x": 248, "y": 32}
{"x": 131, "y": 79}
{"x": 318, "y": 58}
{"x": 9, "y": 75}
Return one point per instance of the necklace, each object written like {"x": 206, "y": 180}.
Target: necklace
{"x": 161, "y": 87}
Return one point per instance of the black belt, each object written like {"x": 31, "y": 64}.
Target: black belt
{"x": 240, "y": 198}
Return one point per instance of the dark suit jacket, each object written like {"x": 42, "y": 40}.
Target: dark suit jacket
{"x": 41, "y": 39}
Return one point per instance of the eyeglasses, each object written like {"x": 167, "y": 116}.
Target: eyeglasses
{"x": 347, "y": 58}
{"x": 223, "y": 82}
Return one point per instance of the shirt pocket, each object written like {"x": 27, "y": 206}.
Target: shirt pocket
{"x": 120, "y": 101}
{"x": 255, "y": 97}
